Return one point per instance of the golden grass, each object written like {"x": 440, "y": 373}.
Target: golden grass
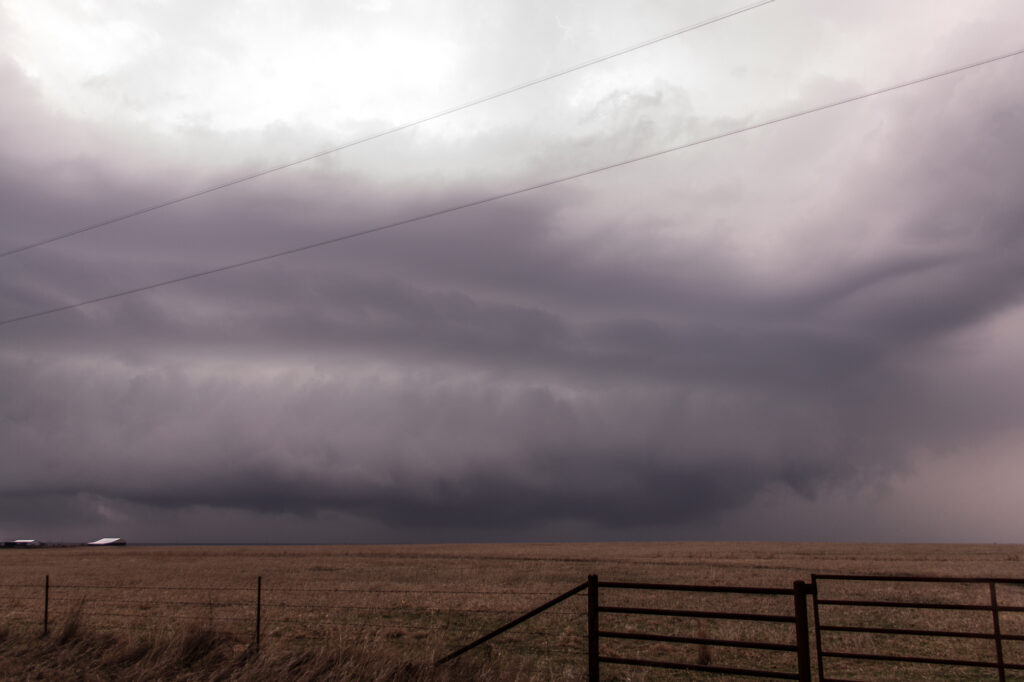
{"x": 390, "y": 610}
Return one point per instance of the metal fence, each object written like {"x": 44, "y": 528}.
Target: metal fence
{"x": 791, "y": 614}
{"x": 640, "y": 623}
{"x": 864, "y": 627}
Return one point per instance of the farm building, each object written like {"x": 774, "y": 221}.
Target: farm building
{"x": 108, "y": 542}
{"x": 22, "y": 543}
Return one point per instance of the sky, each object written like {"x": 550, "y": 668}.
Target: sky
{"x": 806, "y": 331}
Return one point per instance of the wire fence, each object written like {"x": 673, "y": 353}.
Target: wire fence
{"x": 294, "y": 616}
{"x": 862, "y": 625}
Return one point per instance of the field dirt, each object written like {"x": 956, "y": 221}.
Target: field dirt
{"x": 407, "y": 605}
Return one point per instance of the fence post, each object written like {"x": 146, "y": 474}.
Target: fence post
{"x": 996, "y": 632}
{"x": 593, "y": 653}
{"x": 46, "y": 605}
{"x": 259, "y": 604}
{"x": 803, "y": 642}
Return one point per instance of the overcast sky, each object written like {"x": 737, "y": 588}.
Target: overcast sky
{"x": 808, "y": 331}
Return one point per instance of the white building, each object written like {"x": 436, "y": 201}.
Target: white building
{"x": 108, "y": 542}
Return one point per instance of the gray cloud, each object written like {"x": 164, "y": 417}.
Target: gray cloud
{"x": 798, "y": 312}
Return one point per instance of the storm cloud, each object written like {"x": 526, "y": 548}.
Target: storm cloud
{"x": 810, "y": 316}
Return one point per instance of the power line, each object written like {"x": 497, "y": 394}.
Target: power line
{"x": 405, "y": 126}
{"x": 515, "y": 192}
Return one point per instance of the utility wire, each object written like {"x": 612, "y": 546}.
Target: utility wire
{"x": 390, "y": 131}
{"x": 515, "y": 192}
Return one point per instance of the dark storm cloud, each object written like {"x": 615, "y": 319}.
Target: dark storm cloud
{"x": 304, "y": 453}
{"x": 550, "y": 358}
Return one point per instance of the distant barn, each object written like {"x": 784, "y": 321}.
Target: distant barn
{"x": 22, "y": 543}
{"x": 108, "y": 542}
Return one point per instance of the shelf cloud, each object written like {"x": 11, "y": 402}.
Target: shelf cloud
{"x": 813, "y": 318}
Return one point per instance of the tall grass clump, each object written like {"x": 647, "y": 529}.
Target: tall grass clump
{"x": 72, "y": 624}
{"x": 200, "y": 652}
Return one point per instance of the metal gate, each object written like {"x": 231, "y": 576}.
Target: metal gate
{"x": 885, "y": 627}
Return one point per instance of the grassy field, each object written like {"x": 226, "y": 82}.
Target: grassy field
{"x": 385, "y": 612}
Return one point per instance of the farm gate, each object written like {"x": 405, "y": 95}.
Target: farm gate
{"x": 864, "y": 627}
{"x": 871, "y": 626}
{"x": 636, "y": 613}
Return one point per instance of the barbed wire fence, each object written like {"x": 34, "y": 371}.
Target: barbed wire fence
{"x": 298, "y": 616}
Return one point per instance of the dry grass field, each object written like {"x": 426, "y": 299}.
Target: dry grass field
{"x": 386, "y": 612}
